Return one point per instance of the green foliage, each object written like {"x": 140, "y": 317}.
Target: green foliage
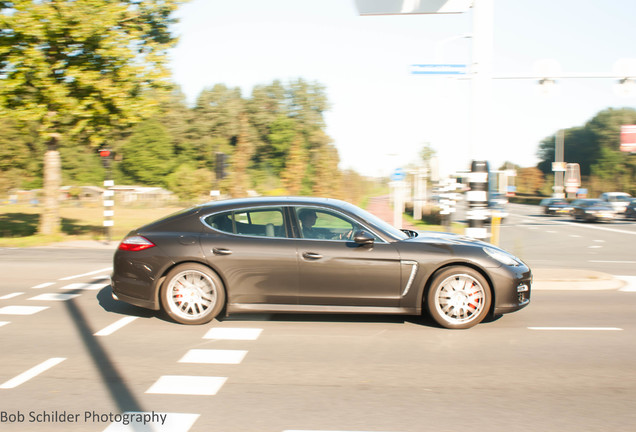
{"x": 148, "y": 155}
{"x": 80, "y": 68}
{"x": 595, "y": 147}
{"x": 189, "y": 183}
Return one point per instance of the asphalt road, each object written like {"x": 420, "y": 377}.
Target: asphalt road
{"x": 564, "y": 363}
{"x": 559, "y": 241}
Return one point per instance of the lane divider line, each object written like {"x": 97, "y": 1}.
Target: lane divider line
{"x": 21, "y": 310}
{"x": 226, "y": 333}
{"x": 10, "y": 296}
{"x": 31, "y": 373}
{"x": 54, "y": 297}
{"x": 107, "y": 269}
{"x": 43, "y": 285}
{"x": 576, "y": 328}
{"x": 187, "y": 385}
{"x": 84, "y": 286}
{"x": 3, "y": 323}
{"x": 106, "y": 331}
{"x": 213, "y": 356}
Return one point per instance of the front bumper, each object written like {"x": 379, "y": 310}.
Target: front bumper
{"x": 512, "y": 288}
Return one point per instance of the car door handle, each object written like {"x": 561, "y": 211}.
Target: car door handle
{"x": 311, "y": 255}
{"x": 221, "y": 251}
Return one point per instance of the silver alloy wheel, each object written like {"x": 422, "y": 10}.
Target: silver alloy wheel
{"x": 460, "y": 298}
{"x": 191, "y": 295}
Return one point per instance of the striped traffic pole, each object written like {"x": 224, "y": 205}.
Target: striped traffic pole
{"x": 477, "y": 198}
{"x": 109, "y": 205}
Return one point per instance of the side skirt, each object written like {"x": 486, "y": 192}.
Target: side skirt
{"x": 271, "y": 308}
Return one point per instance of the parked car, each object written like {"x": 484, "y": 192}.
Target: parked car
{"x": 555, "y": 206}
{"x": 311, "y": 255}
{"x": 592, "y": 210}
{"x": 618, "y": 200}
{"x": 630, "y": 211}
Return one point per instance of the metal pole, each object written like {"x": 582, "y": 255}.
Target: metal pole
{"x": 477, "y": 198}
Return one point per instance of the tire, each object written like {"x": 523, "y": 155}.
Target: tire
{"x": 192, "y": 294}
{"x": 458, "y": 298}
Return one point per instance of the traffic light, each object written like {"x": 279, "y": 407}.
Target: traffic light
{"x": 106, "y": 156}
{"x": 220, "y": 166}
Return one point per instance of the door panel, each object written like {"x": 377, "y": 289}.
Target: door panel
{"x": 343, "y": 273}
{"x": 251, "y": 251}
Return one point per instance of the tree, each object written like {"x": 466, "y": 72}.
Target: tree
{"x": 148, "y": 155}
{"x": 239, "y": 179}
{"x": 529, "y": 180}
{"x": 592, "y": 144}
{"x": 79, "y": 70}
{"x": 295, "y": 167}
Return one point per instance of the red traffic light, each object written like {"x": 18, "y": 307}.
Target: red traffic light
{"x": 104, "y": 153}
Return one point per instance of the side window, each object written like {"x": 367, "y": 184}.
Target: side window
{"x": 221, "y": 221}
{"x": 316, "y": 223}
{"x": 261, "y": 222}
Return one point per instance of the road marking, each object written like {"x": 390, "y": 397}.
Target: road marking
{"x": 575, "y": 236}
{"x": 54, "y": 297}
{"x": 213, "y": 356}
{"x": 21, "y": 310}
{"x": 86, "y": 274}
{"x": 84, "y": 286}
{"x": 581, "y": 225}
{"x": 187, "y": 385}
{"x": 115, "y": 326}
{"x": 576, "y": 328}
{"x": 10, "y": 296}
{"x": 233, "y": 333}
{"x": 3, "y": 323}
{"x": 631, "y": 283}
{"x": 175, "y": 422}
{"x": 613, "y": 262}
{"x": 44, "y": 285}
{"x": 31, "y": 373}
{"x": 594, "y": 247}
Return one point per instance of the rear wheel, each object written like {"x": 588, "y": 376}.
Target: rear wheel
{"x": 192, "y": 294}
{"x": 458, "y": 298}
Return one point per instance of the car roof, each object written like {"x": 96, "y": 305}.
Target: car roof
{"x": 274, "y": 200}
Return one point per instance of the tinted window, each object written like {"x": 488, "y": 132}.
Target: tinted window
{"x": 262, "y": 222}
{"x": 317, "y": 223}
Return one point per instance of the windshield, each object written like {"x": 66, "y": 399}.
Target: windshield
{"x": 379, "y": 223}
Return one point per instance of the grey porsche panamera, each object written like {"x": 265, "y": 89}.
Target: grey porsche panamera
{"x": 313, "y": 255}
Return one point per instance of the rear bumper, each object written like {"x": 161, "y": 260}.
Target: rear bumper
{"x": 135, "y": 293}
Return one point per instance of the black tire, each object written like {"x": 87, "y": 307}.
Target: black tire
{"x": 192, "y": 294}
{"x": 458, "y": 298}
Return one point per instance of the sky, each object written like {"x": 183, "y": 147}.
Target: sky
{"x": 381, "y": 114}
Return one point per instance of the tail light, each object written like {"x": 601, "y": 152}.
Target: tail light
{"x": 135, "y": 243}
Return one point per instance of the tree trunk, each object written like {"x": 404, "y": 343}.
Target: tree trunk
{"x": 50, "y": 217}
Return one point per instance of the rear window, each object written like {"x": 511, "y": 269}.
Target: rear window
{"x": 261, "y": 222}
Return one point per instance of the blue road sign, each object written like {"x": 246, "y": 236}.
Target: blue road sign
{"x": 398, "y": 175}
{"x": 438, "y": 69}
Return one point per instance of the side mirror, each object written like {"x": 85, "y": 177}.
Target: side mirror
{"x": 363, "y": 238}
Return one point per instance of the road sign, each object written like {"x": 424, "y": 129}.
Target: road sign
{"x": 628, "y": 138}
{"x": 398, "y": 175}
{"x": 439, "y": 69}
{"x": 398, "y": 7}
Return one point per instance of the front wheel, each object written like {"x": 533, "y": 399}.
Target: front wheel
{"x": 458, "y": 298}
{"x": 192, "y": 294}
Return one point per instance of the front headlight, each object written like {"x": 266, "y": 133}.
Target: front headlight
{"x": 501, "y": 256}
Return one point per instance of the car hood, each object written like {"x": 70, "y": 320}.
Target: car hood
{"x": 446, "y": 238}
